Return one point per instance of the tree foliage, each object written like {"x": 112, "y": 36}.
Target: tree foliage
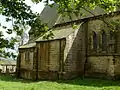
{"x": 76, "y": 6}
{"x": 38, "y": 28}
{"x": 20, "y": 14}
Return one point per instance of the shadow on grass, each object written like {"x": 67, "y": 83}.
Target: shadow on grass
{"x": 10, "y": 78}
{"x": 78, "y": 81}
{"x": 91, "y": 82}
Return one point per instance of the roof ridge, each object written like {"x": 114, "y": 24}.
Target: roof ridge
{"x": 87, "y": 18}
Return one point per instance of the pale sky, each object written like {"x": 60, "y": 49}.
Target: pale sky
{"x": 35, "y": 8}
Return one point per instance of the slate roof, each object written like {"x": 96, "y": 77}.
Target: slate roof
{"x": 60, "y": 32}
{"x": 87, "y": 14}
{"x": 49, "y": 15}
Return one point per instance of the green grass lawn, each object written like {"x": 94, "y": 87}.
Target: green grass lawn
{"x": 11, "y": 83}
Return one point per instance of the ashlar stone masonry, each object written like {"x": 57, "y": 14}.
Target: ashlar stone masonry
{"x": 91, "y": 49}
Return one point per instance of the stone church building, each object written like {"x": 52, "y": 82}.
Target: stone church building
{"x": 90, "y": 49}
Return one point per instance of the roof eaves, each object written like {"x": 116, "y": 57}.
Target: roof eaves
{"x": 28, "y": 45}
{"x": 47, "y": 40}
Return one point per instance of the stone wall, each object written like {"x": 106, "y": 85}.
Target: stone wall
{"x": 100, "y": 66}
{"x": 74, "y": 56}
{"x": 103, "y": 63}
{"x": 26, "y": 56}
{"x": 117, "y": 67}
{"x": 74, "y": 53}
{"x": 49, "y": 59}
{"x": 26, "y": 63}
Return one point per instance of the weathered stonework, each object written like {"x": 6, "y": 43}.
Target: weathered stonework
{"x": 88, "y": 50}
{"x": 103, "y": 63}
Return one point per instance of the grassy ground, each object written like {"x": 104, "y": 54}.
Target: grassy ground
{"x": 11, "y": 83}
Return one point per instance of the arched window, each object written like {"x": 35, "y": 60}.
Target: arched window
{"x": 104, "y": 41}
{"x": 111, "y": 41}
{"x": 94, "y": 40}
{"x": 111, "y": 35}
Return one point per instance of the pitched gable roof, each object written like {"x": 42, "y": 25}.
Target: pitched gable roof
{"x": 49, "y": 15}
{"x": 60, "y": 32}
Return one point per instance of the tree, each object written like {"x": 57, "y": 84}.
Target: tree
{"x": 68, "y": 8}
{"x": 76, "y": 6}
{"x": 19, "y": 14}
